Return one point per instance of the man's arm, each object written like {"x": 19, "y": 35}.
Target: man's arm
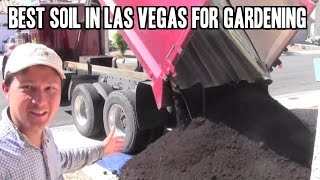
{"x": 76, "y": 158}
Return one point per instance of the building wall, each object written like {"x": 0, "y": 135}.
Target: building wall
{"x": 5, "y": 33}
{"x": 300, "y": 37}
{"x": 317, "y": 20}
{"x": 313, "y": 27}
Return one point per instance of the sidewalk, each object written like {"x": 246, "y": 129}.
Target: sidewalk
{"x": 301, "y": 100}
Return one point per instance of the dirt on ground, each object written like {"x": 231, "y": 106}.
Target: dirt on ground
{"x": 246, "y": 135}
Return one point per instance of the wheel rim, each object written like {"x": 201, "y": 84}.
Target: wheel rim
{"x": 80, "y": 110}
{"x": 118, "y": 119}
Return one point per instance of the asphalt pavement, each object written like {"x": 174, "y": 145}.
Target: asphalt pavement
{"x": 296, "y": 74}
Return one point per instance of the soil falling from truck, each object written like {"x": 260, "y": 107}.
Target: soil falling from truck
{"x": 247, "y": 135}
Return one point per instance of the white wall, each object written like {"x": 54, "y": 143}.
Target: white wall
{"x": 317, "y": 20}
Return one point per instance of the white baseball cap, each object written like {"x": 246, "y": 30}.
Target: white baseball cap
{"x": 30, "y": 54}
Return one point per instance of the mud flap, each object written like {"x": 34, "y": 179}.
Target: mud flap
{"x": 148, "y": 115}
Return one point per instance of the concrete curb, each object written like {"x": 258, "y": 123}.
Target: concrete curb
{"x": 306, "y": 52}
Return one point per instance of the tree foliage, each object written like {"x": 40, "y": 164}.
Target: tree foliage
{"x": 119, "y": 42}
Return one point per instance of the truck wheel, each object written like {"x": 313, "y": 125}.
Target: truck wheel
{"x": 119, "y": 111}
{"x": 103, "y": 89}
{"x": 87, "y": 107}
{"x": 80, "y": 79}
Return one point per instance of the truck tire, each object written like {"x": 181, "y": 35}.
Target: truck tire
{"x": 87, "y": 107}
{"x": 103, "y": 89}
{"x": 75, "y": 80}
{"x": 119, "y": 111}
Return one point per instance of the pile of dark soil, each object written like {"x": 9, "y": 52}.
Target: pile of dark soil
{"x": 247, "y": 135}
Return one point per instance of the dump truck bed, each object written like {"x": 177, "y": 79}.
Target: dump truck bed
{"x": 211, "y": 57}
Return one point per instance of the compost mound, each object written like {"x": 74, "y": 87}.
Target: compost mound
{"x": 246, "y": 135}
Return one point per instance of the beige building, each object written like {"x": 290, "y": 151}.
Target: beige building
{"x": 316, "y": 17}
{"x": 5, "y": 3}
{"x": 313, "y": 30}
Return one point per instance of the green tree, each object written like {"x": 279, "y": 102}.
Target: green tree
{"x": 119, "y": 43}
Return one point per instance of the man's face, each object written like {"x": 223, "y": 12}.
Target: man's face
{"x": 34, "y": 97}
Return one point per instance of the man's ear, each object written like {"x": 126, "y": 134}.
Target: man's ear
{"x": 5, "y": 89}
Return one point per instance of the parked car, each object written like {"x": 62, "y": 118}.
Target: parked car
{"x": 10, "y": 44}
{"x": 5, "y": 33}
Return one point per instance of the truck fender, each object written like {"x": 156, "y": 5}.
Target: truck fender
{"x": 103, "y": 88}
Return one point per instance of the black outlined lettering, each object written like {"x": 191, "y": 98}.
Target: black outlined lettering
{"x": 205, "y": 17}
{"x": 117, "y": 18}
{"x": 64, "y": 18}
{"x": 183, "y": 16}
{"x": 92, "y": 16}
{"x": 279, "y": 18}
{"x": 128, "y": 17}
{"x": 172, "y": 19}
{"x": 13, "y": 21}
{"x": 302, "y": 18}
{"x": 54, "y": 22}
{"x": 152, "y": 17}
{"x": 258, "y": 14}
{"x": 177, "y": 18}
{"x": 122, "y": 18}
{"x": 267, "y": 17}
{"x": 107, "y": 21}
{"x": 228, "y": 17}
{"x": 161, "y": 21}
{"x": 238, "y": 22}
{"x": 161, "y": 17}
{"x": 249, "y": 14}
{"x": 22, "y": 17}
{"x": 142, "y": 17}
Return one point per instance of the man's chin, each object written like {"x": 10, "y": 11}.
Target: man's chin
{"x": 39, "y": 121}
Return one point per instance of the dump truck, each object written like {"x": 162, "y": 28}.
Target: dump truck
{"x": 176, "y": 69}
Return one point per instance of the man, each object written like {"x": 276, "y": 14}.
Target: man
{"x": 19, "y": 39}
{"x": 32, "y": 86}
